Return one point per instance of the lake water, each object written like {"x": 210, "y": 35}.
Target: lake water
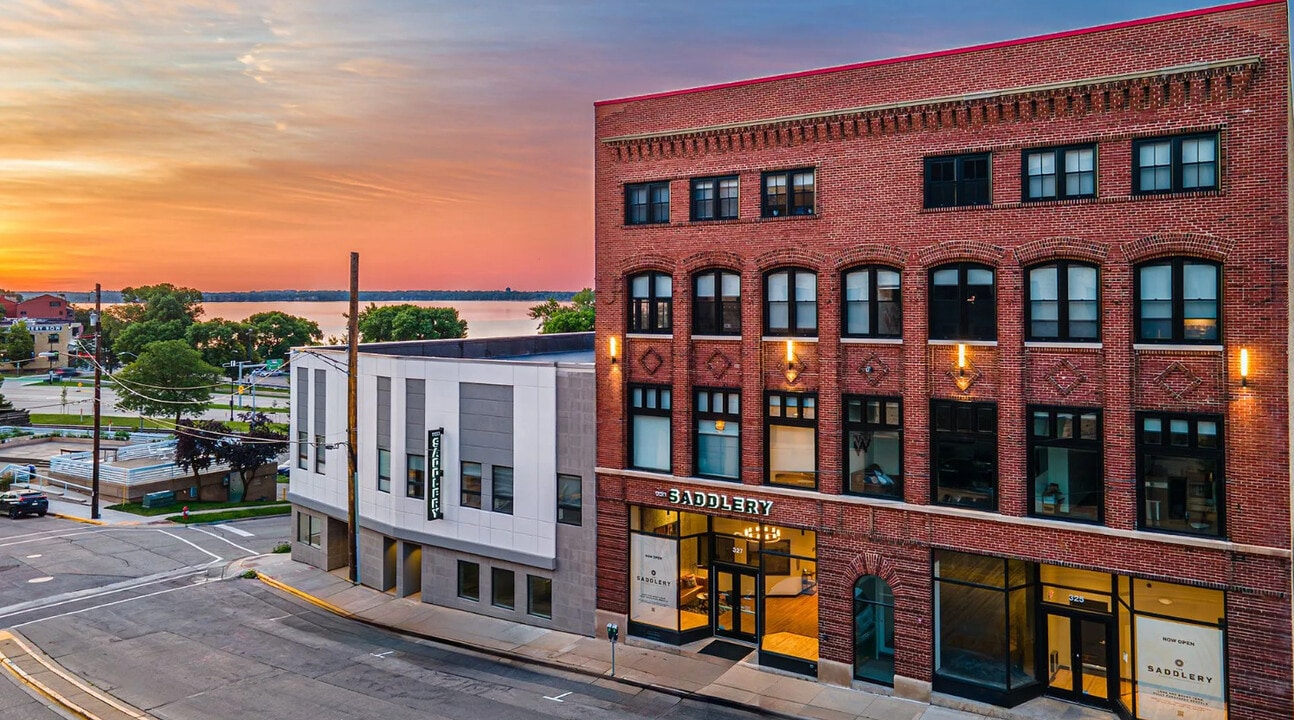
{"x": 485, "y": 318}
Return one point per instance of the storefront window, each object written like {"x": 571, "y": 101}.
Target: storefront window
{"x": 1178, "y": 651}
{"x": 654, "y": 576}
{"x": 984, "y": 624}
{"x": 790, "y": 578}
{"x": 874, "y": 446}
{"x": 873, "y": 630}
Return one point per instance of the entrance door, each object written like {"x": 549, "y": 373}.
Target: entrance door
{"x": 1078, "y": 658}
{"x": 735, "y": 605}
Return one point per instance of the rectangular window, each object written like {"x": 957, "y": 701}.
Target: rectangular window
{"x": 1181, "y": 484}
{"x": 874, "y": 446}
{"x": 1177, "y": 301}
{"x": 384, "y": 470}
{"x": 788, "y": 193}
{"x": 320, "y": 411}
{"x": 1063, "y": 302}
{"x": 471, "y": 485}
{"x": 383, "y": 434}
{"x": 873, "y": 303}
{"x": 469, "y": 580}
{"x": 649, "y": 427}
{"x": 503, "y": 592}
{"x": 303, "y": 450}
{"x": 984, "y": 621}
{"x": 647, "y": 203}
{"x": 651, "y": 308}
{"x": 791, "y": 432}
{"x": 539, "y": 596}
{"x": 308, "y": 529}
{"x": 714, "y": 198}
{"x": 1065, "y": 463}
{"x": 321, "y": 454}
{"x": 1175, "y": 164}
{"x": 718, "y": 433}
{"x": 1059, "y": 173}
{"x": 963, "y": 454}
{"x": 501, "y": 489}
{"x": 716, "y": 304}
{"x": 301, "y": 418}
{"x": 570, "y": 499}
{"x": 963, "y": 302}
{"x": 417, "y": 475}
{"x": 958, "y": 180}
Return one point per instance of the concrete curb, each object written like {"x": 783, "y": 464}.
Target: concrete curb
{"x": 527, "y": 659}
{"x": 110, "y": 704}
{"x": 87, "y": 521}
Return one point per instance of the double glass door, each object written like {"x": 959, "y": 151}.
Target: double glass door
{"x": 735, "y": 604}
{"x": 1079, "y": 657}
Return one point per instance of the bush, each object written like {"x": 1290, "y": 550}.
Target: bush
{"x": 283, "y": 548}
{"x": 249, "y": 575}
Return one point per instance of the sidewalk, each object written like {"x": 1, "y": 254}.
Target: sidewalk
{"x": 74, "y": 506}
{"x": 674, "y": 671}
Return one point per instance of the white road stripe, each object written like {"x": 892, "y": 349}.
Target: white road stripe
{"x": 116, "y": 602}
{"x": 236, "y": 531}
{"x": 224, "y": 539}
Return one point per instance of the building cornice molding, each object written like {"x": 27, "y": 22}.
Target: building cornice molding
{"x": 1175, "y": 85}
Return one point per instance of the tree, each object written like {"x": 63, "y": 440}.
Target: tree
{"x": 246, "y": 453}
{"x": 134, "y": 337}
{"x": 278, "y": 332}
{"x": 409, "y": 322}
{"x": 555, "y": 317}
{"x": 19, "y": 345}
{"x": 197, "y": 444}
{"x": 164, "y": 302}
{"x": 168, "y": 379}
{"x": 221, "y": 341}
{"x": 4, "y": 404}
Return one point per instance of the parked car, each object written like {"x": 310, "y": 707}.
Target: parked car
{"x": 24, "y": 502}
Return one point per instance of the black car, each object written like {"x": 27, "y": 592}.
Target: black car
{"x": 24, "y": 502}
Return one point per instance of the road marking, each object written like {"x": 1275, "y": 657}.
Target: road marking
{"x": 195, "y": 545}
{"x": 115, "y": 602}
{"x": 55, "y": 601}
{"x": 49, "y": 537}
{"x": 382, "y": 655}
{"x": 559, "y": 697}
{"x": 40, "y": 579}
{"x": 224, "y": 539}
{"x": 236, "y": 531}
{"x": 33, "y": 557}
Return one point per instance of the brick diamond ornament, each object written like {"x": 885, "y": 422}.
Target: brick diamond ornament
{"x": 719, "y": 364}
{"x": 793, "y": 369}
{"x": 651, "y": 361}
{"x": 1066, "y": 376}
{"x": 963, "y": 378}
{"x": 1178, "y": 380}
{"x": 874, "y": 370}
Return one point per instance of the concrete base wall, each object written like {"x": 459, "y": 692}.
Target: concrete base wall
{"x": 835, "y": 673}
{"x": 911, "y": 689}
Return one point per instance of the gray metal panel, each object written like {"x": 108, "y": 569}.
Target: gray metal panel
{"x": 321, "y": 402}
{"x": 303, "y": 399}
{"x": 384, "y": 413}
{"x": 485, "y": 424}
{"x": 415, "y": 416}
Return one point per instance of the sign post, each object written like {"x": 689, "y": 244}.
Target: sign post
{"x": 434, "y": 473}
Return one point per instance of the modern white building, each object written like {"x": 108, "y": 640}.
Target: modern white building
{"x": 507, "y": 528}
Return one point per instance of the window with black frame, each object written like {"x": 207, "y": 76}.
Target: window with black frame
{"x": 470, "y": 485}
{"x": 984, "y": 624}
{"x": 1066, "y": 473}
{"x": 1059, "y": 173}
{"x": 963, "y": 302}
{"x": 647, "y": 203}
{"x": 791, "y": 439}
{"x": 1062, "y": 302}
{"x": 714, "y": 198}
{"x": 718, "y": 433}
{"x": 874, "y": 446}
{"x": 651, "y": 303}
{"x": 650, "y": 410}
{"x": 1177, "y": 301}
{"x": 416, "y": 475}
{"x": 958, "y": 180}
{"x": 1181, "y": 484}
{"x": 716, "y": 303}
{"x": 1185, "y": 163}
{"x": 570, "y": 499}
{"x": 791, "y": 303}
{"x": 873, "y": 303}
{"x": 501, "y": 489}
{"x": 963, "y": 454}
{"x": 788, "y": 192}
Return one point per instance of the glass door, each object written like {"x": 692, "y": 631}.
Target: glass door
{"x": 1078, "y": 658}
{"x": 735, "y": 608}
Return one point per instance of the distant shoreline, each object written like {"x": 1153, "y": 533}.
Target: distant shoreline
{"x": 114, "y": 296}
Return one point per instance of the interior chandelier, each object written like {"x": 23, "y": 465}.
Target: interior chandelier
{"x": 765, "y": 533}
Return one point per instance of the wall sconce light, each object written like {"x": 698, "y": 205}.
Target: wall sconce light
{"x": 790, "y": 354}
{"x": 793, "y": 365}
{"x": 1244, "y": 367}
{"x": 961, "y": 359}
{"x": 611, "y": 342}
{"x": 719, "y": 425}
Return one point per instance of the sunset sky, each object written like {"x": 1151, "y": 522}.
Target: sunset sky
{"x": 251, "y": 144}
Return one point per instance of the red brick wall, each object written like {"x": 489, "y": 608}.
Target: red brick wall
{"x": 869, "y": 209}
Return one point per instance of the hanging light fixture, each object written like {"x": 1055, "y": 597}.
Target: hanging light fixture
{"x": 762, "y": 533}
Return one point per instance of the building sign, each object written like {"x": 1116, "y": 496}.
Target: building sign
{"x": 653, "y": 587}
{"x": 434, "y": 509}
{"x": 1179, "y": 671}
{"x": 718, "y": 501}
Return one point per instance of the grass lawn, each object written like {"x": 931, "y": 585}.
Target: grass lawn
{"x": 129, "y": 422}
{"x": 280, "y": 509}
{"x": 194, "y": 506}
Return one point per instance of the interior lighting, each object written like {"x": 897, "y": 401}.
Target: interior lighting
{"x": 764, "y": 533}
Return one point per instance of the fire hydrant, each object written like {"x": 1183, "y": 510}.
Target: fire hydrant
{"x": 186, "y": 512}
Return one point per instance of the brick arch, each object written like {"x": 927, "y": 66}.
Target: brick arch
{"x": 711, "y": 259}
{"x": 872, "y": 563}
{"x": 642, "y": 262}
{"x": 1209, "y": 247}
{"x": 1070, "y": 248}
{"x": 877, "y": 254}
{"x": 954, "y": 250}
{"x": 790, "y": 257}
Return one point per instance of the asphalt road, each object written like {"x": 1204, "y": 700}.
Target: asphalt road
{"x": 179, "y": 643}
{"x": 32, "y": 394}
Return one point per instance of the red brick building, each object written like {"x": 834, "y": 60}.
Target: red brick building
{"x": 42, "y": 307}
{"x": 962, "y": 373}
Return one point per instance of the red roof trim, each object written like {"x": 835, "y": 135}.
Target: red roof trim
{"x": 944, "y": 53}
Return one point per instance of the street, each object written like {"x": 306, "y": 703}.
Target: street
{"x": 33, "y": 393}
{"x": 141, "y": 612}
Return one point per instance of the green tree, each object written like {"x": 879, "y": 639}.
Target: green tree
{"x": 164, "y": 302}
{"x": 555, "y": 317}
{"x": 278, "y": 332}
{"x": 132, "y": 338}
{"x": 19, "y": 345}
{"x": 221, "y": 341}
{"x": 409, "y": 322}
{"x": 197, "y": 444}
{"x": 169, "y": 379}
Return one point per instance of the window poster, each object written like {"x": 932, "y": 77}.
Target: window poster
{"x": 1179, "y": 671}
{"x": 653, "y": 588}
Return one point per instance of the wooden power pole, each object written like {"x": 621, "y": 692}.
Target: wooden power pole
{"x": 352, "y": 419}
{"x": 98, "y": 389}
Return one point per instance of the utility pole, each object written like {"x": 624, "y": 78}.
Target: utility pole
{"x": 352, "y": 418}
{"x": 98, "y": 389}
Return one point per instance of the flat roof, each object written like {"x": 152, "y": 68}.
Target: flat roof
{"x": 942, "y": 53}
{"x": 547, "y": 349}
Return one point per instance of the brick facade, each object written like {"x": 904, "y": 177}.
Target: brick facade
{"x": 865, "y": 130}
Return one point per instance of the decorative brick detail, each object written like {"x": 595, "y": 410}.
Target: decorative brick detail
{"x": 871, "y": 563}
{"x": 788, "y": 257}
{"x": 1210, "y": 247}
{"x": 711, "y": 259}
{"x": 872, "y": 254}
{"x": 651, "y": 361}
{"x": 953, "y": 250}
{"x": 718, "y": 364}
{"x": 643, "y": 262}
{"x": 1066, "y": 376}
{"x": 1178, "y": 380}
{"x": 964, "y": 378}
{"x": 874, "y": 370}
{"x": 1055, "y": 248}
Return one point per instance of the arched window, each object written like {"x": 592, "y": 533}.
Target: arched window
{"x": 791, "y": 303}
{"x": 963, "y": 302}
{"x": 1178, "y": 301}
{"x": 873, "y": 302}
{"x": 1062, "y": 303}
{"x": 873, "y": 630}
{"x": 651, "y": 303}
{"x": 716, "y": 303}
